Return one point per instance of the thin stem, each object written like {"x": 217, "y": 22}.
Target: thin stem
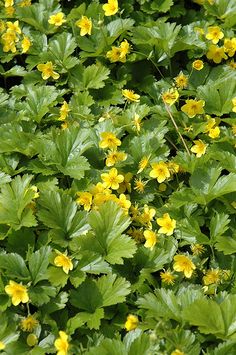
{"x": 177, "y": 128}
{"x": 151, "y": 62}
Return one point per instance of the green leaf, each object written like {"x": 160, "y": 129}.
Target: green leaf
{"x": 219, "y": 225}
{"x": 212, "y": 317}
{"x": 38, "y": 102}
{"x": 108, "y": 223}
{"x": 79, "y": 298}
{"x": 15, "y": 198}
{"x": 38, "y": 263}
{"x": 93, "y": 320}
{"x": 108, "y": 347}
{"x": 117, "y": 27}
{"x": 15, "y": 266}
{"x": 56, "y": 276}
{"x": 40, "y": 295}
{"x": 66, "y": 149}
{"x": 226, "y": 244}
{"x": 91, "y": 77}
{"x": 113, "y": 289}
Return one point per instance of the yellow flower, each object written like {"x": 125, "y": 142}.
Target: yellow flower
{"x": 114, "y": 156}
{"x": 137, "y": 234}
{"x": 131, "y": 322}
{"x": 183, "y": 264}
{"x": 193, "y": 107}
{"x": 159, "y": 171}
{"x": 2, "y": 345}
{"x": 177, "y": 352}
{"x": 181, "y": 81}
{"x": 167, "y": 224}
{"x": 143, "y": 163}
{"x": 2, "y": 26}
{"x": 31, "y": 340}
{"x": 199, "y": 148}
{"x": 139, "y": 185}
{"x": 123, "y": 202}
{"x": 214, "y": 34}
{"x": 57, "y": 19}
{"x": 197, "y": 249}
{"x": 61, "y": 344}
{"x": 130, "y": 95}
{"x": 216, "y": 54}
{"x": 17, "y": 292}
{"x": 109, "y": 140}
{"x": 63, "y": 261}
{"x": 85, "y": 199}
{"x": 137, "y": 122}
{"x": 112, "y": 179}
{"x": 147, "y": 216}
{"x": 85, "y": 25}
{"x": 167, "y": 277}
{"x": 110, "y": 8}
{"x": 234, "y": 129}
{"x": 10, "y": 10}
{"x": 9, "y": 39}
{"x": 124, "y": 48}
{"x": 212, "y": 277}
{"x": 230, "y": 46}
{"x": 214, "y": 132}
{"x": 14, "y": 26}
{"x": 64, "y": 111}
{"x": 114, "y": 55}
{"x": 198, "y": 64}
{"x": 25, "y": 44}
{"x": 9, "y": 3}
{"x": 28, "y": 324}
{"x": 170, "y": 96}
{"x": 126, "y": 185}
{"x": 151, "y": 239}
{"x": 234, "y": 104}
{"x": 47, "y": 71}
{"x": 173, "y": 167}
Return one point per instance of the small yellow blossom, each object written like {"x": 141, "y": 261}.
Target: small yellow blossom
{"x": 2, "y": 346}
{"x": 25, "y": 44}
{"x": 28, "y": 324}
{"x": 162, "y": 187}
{"x": 216, "y": 53}
{"x": 214, "y": 34}
{"x": 137, "y": 122}
{"x": 173, "y": 167}
{"x": 230, "y": 46}
{"x": 159, "y": 171}
{"x": 109, "y": 140}
{"x": 181, "y": 81}
{"x": 143, "y": 163}
{"x": 61, "y": 344}
{"x": 129, "y": 95}
{"x": 170, "y": 96}
{"x": 167, "y": 277}
{"x": 31, "y": 340}
{"x": 112, "y": 179}
{"x": 9, "y": 3}
{"x": 85, "y": 25}
{"x": 198, "y": 64}
{"x": 9, "y": 39}
{"x": 177, "y": 352}
{"x": 126, "y": 185}
{"x": 114, "y": 55}
{"x": 234, "y": 104}
{"x": 214, "y": 132}
{"x": 10, "y": 10}
{"x": 63, "y": 261}
{"x": 17, "y": 292}
{"x": 123, "y": 202}
{"x": 14, "y": 26}
{"x": 137, "y": 234}
{"x": 84, "y": 199}
{"x": 212, "y": 277}
{"x": 139, "y": 185}
{"x": 124, "y": 49}
{"x": 57, "y": 19}
{"x": 232, "y": 64}
{"x": 115, "y": 156}
{"x": 183, "y": 264}
{"x": 234, "y": 129}
{"x": 131, "y": 322}
{"x": 193, "y": 107}
{"x": 111, "y": 8}
{"x": 2, "y": 26}
{"x": 151, "y": 239}
{"x": 64, "y": 111}
{"x": 147, "y": 216}
{"x": 199, "y": 148}
{"x": 167, "y": 224}
{"x": 197, "y": 249}
{"x": 47, "y": 71}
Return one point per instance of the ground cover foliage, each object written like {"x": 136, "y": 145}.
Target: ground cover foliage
{"x": 117, "y": 177}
